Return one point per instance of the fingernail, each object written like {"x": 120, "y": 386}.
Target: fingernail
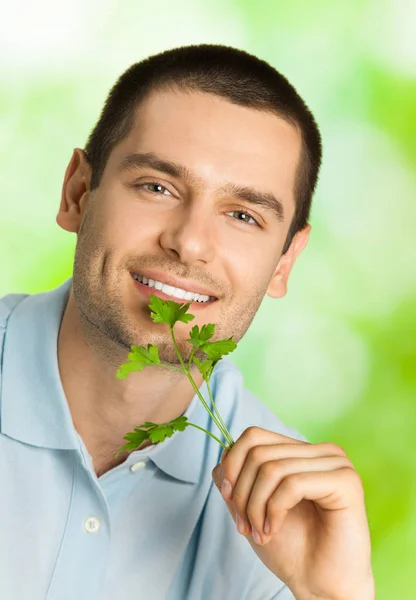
{"x": 267, "y": 526}
{"x": 226, "y": 489}
{"x": 256, "y": 535}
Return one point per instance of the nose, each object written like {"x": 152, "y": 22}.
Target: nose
{"x": 189, "y": 236}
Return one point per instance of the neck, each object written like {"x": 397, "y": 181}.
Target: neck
{"x": 104, "y": 408}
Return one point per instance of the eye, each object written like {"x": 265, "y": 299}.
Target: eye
{"x": 155, "y": 184}
{"x": 241, "y": 212}
{"x": 158, "y": 185}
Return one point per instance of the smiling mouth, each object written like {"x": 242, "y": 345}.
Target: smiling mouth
{"x": 166, "y": 294}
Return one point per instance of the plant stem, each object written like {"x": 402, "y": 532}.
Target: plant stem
{"x": 211, "y": 434}
{"x": 221, "y": 426}
{"x": 228, "y": 436}
{"x": 190, "y": 358}
{"x": 224, "y": 433}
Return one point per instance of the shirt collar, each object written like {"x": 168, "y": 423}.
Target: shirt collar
{"x": 34, "y": 408}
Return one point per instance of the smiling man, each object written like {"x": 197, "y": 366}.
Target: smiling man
{"x": 196, "y": 185}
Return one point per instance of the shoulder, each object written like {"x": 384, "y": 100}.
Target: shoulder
{"x": 255, "y": 413}
{"x": 244, "y": 408}
{"x": 7, "y": 305}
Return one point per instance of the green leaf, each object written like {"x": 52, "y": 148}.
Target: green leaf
{"x": 156, "y": 432}
{"x": 140, "y": 357}
{"x": 205, "y": 366}
{"x": 199, "y": 337}
{"x": 216, "y": 350}
{"x": 169, "y": 311}
{"x": 135, "y": 439}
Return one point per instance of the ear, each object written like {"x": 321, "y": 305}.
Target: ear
{"x": 75, "y": 192}
{"x": 278, "y": 283}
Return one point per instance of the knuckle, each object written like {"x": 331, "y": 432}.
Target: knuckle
{"x": 270, "y": 469}
{"x": 348, "y": 463}
{"x": 255, "y": 455}
{"x": 352, "y": 477}
{"x": 293, "y": 483}
{"x": 335, "y": 449}
{"x": 342, "y": 451}
{"x": 356, "y": 477}
{"x": 251, "y": 433}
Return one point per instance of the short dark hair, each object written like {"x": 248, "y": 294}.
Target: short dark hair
{"x": 228, "y": 72}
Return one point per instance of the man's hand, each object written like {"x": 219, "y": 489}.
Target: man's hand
{"x": 318, "y": 540}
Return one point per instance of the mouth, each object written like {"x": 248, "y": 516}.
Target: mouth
{"x": 147, "y": 290}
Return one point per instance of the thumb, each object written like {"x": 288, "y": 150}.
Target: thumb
{"x": 217, "y": 474}
{"x": 224, "y": 454}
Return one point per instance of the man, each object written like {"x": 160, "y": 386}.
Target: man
{"x": 199, "y": 176}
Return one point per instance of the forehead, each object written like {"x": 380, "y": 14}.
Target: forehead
{"x": 217, "y": 140}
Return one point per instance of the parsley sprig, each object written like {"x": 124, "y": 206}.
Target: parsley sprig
{"x": 171, "y": 312}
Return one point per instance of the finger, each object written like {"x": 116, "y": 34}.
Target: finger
{"x": 241, "y": 456}
{"x": 280, "y": 456}
{"x": 251, "y": 437}
{"x": 252, "y": 504}
{"x": 331, "y": 490}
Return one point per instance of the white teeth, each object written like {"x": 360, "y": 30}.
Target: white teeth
{"x": 172, "y": 291}
{"x": 177, "y": 293}
{"x": 168, "y": 289}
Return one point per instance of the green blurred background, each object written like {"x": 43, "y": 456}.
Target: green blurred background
{"x": 335, "y": 358}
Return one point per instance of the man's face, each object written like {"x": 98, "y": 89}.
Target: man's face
{"x": 188, "y": 229}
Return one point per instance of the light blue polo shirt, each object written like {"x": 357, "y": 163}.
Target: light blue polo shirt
{"x": 154, "y": 527}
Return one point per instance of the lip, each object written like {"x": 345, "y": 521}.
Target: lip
{"x": 148, "y": 291}
{"x": 189, "y": 285}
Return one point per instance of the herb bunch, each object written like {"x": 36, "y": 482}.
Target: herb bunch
{"x": 171, "y": 312}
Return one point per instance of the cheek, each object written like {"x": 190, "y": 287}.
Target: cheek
{"x": 130, "y": 222}
{"x": 246, "y": 280}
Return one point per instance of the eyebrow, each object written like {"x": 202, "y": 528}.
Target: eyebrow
{"x": 267, "y": 200}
